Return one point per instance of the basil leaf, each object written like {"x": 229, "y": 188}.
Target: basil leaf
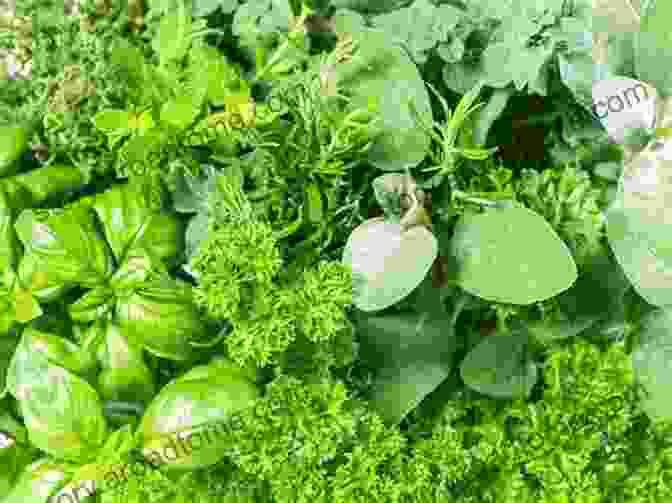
{"x": 131, "y": 227}
{"x": 193, "y": 408}
{"x": 64, "y": 246}
{"x": 161, "y": 317}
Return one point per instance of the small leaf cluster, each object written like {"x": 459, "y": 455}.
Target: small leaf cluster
{"x": 238, "y": 265}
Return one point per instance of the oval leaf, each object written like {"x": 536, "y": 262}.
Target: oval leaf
{"x": 637, "y": 232}
{"x": 188, "y": 410}
{"x": 651, "y": 363}
{"x": 511, "y": 255}
{"x": 387, "y": 262}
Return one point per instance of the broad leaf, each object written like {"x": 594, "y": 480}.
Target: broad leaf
{"x": 500, "y": 366}
{"x": 173, "y": 38}
{"x": 37, "y": 483}
{"x": 179, "y": 428}
{"x": 493, "y": 261}
{"x": 651, "y": 363}
{"x": 132, "y": 228}
{"x": 161, "y": 317}
{"x": 124, "y": 374}
{"x": 62, "y": 412}
{"x": 412, "y": 354}
{"x": 638, "y": 229}
{"x": 381, "y": 74}
{"x": 387, "y": 262}
{"x": 64, "y": 246}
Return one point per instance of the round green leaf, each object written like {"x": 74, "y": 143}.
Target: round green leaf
{"x": 512, "y": 255}
{"x": 387, "y": 262}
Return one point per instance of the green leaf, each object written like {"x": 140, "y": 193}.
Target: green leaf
{"x": 485, "y": 117}
{"x": 133, "y": 229}
{"x": 214, "y": 72}
{"x": 62, "y": 412}
{"x": 577, "y": 72}
{"x": 500, "y": 366}
{"x": 388, "y": 263}
{"x": 202, "y": 8}
{"x": 650, "y": 360}
{"x": 653, "y": 44}
{"x": 96, "y": 304}
{"x": 13, "y": 143}
{"x": 124, "y": 374}
{"x": 210, "y": 393}
{"x": 381, "y": 75}
{"x": 638, "y": 231}
{"x": 180, "y": 112}
{"x": 173, "y": 38}
{"x": 37, "y": 483}
{"x": 192, "y": 192}
{"x": 8, "y": 344}
{"x": 161, "y": 317}
{"x": 420, "y": 26}
{"x": 493, "y": 263}
{"x": 65, "y": 247}
{"x": 412, "y": 354}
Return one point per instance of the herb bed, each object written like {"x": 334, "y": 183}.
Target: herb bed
{"x": 333, "y": 251}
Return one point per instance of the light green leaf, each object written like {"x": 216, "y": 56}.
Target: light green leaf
{"x": 485, "y": 117}
{"x": 500, "y": 366}
{"x": 494, "y": 263}
{"x": 179, "y": 428}
{"x": 180, "y": 112}
{"x": 638, "y": 227}
{"x": 124, "y": 374}
{"x": 132, "y": 228}
{"x": 388, "y": 263}
{"x": 161, "y": 317}
{"x": 37, "y": 483}
{"x": 412, "y": 354}
{"x": 13, "y": 143}
{"x": 62, "y": 412}
{"x": 173, "y": 38}
{"x": 651, "y": 363}
{"x": 380, "y": 74}
{"x": 65, "y": 246}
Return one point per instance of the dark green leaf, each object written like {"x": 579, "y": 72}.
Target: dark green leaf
{"x": 412, "y": 354}
{"x": 501, "y": 367}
